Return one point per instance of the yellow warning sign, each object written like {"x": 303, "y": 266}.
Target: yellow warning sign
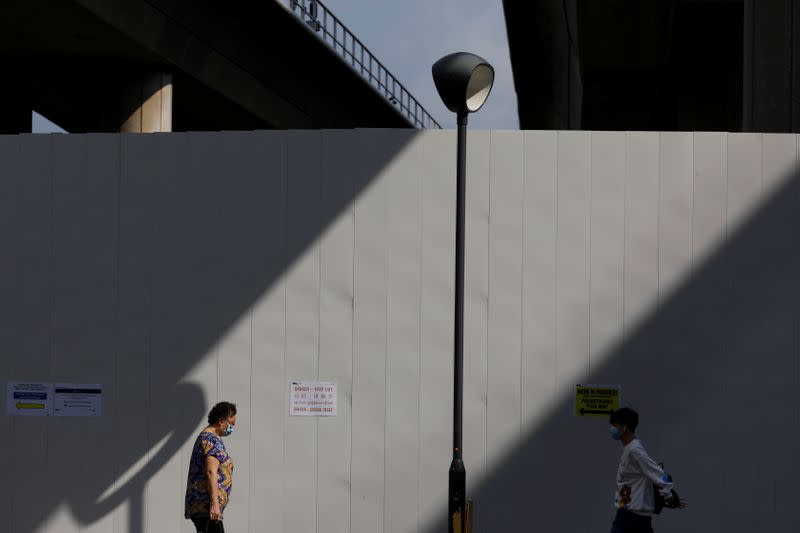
{"x": 30, "y": 405}
{"x": 596, "y": 400}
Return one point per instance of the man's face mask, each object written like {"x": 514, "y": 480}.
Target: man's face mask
{"x": 615, "y": 432}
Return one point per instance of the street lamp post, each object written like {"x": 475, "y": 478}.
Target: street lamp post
{"x": 464, "y": 82}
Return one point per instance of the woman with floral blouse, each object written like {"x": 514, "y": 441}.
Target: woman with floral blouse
{"x": 211, "y": 472}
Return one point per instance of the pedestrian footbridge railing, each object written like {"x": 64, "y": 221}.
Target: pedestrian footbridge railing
{"x": 331, "y": 30}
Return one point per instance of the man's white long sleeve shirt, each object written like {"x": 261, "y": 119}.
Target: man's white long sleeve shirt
{"x": 635, "y": 478}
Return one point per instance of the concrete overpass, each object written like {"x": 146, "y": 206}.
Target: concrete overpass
{"x": 181, "y": 65}
{"x": 729, "y": 65}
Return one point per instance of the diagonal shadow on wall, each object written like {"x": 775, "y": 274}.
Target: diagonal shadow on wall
{"x": 713, "y": 370}
{"x": 126, "y": 259}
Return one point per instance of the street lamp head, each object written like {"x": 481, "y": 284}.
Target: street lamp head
{"x": 464, "y": 81}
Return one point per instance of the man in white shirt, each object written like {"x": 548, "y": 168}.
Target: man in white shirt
{"x": 635, "y": 496}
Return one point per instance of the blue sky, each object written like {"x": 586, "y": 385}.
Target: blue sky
{"x": 408, "y": 36}
{"x": 42, "y": 125}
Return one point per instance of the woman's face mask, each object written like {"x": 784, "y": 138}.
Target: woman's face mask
{"x": 229, "y": 428}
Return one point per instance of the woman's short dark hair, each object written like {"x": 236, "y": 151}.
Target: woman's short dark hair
{"x": 625, "y": 417}
{"x": 221, "y": 411}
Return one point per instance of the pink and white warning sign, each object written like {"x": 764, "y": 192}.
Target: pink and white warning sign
{"x": 312, "y": 398}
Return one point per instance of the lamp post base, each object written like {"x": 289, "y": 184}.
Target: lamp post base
{"x": 457, "y": 500}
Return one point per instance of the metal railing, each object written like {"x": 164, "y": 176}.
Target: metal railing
{"x": 331, "y": 30}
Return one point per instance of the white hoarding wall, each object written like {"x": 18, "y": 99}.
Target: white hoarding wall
{"x": 178, "y": 270}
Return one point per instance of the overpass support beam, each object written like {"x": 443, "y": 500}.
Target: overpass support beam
{"x": 147, "y": 105}
{"x": 15, "y": 103}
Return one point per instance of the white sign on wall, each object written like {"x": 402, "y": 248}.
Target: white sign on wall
{"x": 29, "y": 399}
{"x": 77, "y": 399}
{"x": 312, "y": 398}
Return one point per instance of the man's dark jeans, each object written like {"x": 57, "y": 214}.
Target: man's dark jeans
{"x": 629, "y": 522}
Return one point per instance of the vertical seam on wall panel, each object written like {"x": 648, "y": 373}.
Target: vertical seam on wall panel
{"x": 797, "y": 324}
{"x": 692, "y": 255}
{"x": 658, "y": 225}
{"x": 252, "y": 312}
{"x": 421, "y": 194}
{"x": 352, "y": 215}
{"x": 354, "y": 138}
{"x": 522, "y": 289}
{"x": 589, "y": 254}
{"x": 587, "y": 138}
{"x": 587, "y": 189}
{"x": 488, "y": 292}
{"x": 51, "y": 281}
{"x": 692, "y": 258}
{"x": 217, "y": 213}
{"x": 555, "y": 265}
{"x": 658, "y": 303}
{"x": 149, "y": 360}
{"x": 285, "y": 179}
{"x": 725, "y": 238}
{"x": 421, "y": 330}
{"x": 321, "y": 240}
{"x": 726, "y": 227}
{"x": 387, "y": 306}
{"x": 621, "y": 331}
{"x": 386, "y": 189}
{"x": 53, "y": 264}
{"x": 14, "y": 368}
{"x": 420, "y": 203}
{"x": 522, "y": 293}
{"x": 118, "y": 327}
{"x": 625, "y": 236}
{"x": 726, "y": 273}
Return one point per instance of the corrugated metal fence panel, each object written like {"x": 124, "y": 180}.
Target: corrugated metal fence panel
{"x": 403, "y": 279}
{"x": 607, "y": 253}
{"x": 182, "y": 269}
{"x": 674, "y": 265}
{"x": 336, "y": 329}
{"x": 368, "y": 466}
{"x": 572, "y": 261}
{"x": 29, "y": 348}
{"x": 539, "y": 276}
{"x": 83, "y": 326}
{"x": 239, "y": 214}
{"x": 185, "y": 219}
{"x": 504, "y": 327}
{"x": 134, "y": 312}
{"x": 436, "y": 325}
{"x": 9, "y": 150}
{"x": 476, "y": 298}
{"x": 269, "y": 393}
{"x": 775, "y": 332}
{"x": 302, "y": 322}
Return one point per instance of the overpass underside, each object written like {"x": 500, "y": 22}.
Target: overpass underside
{"x": 690, "y": 65}
{"x": 160, "y": 65}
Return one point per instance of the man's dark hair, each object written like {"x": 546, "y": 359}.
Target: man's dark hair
{"x": 221, "y": 411}
{"x": 625, "y": 417}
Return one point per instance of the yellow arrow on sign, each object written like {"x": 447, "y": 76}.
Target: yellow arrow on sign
{"x": 30, "y": 406}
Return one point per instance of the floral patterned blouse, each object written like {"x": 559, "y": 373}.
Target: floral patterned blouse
{"x": 198, "y": 499}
